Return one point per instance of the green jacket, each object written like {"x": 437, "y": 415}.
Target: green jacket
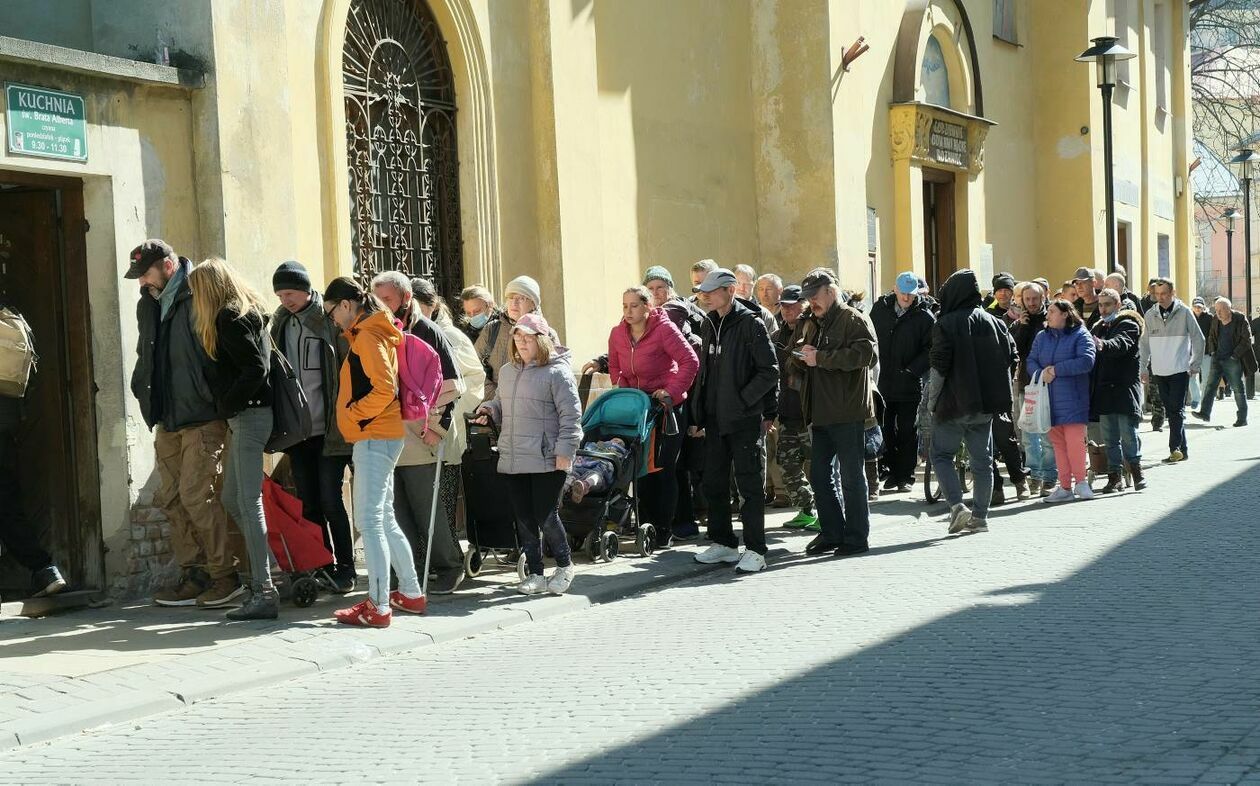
{"x": 838, "y": 389}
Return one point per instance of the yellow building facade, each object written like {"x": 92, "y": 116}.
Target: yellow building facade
{"x": 576, "y": 141}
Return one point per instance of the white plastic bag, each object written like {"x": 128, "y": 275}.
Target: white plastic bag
{"x": 1034, "y": 418}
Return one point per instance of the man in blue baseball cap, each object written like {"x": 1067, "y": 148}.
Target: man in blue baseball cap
{"x": 903, "y": 327}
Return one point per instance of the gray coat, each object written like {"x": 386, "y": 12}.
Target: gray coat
{"x": 334, "y": 353}
{"x": 171, "y": 378}
{"x": 539, "y": 415}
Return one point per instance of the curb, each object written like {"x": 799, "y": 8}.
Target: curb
{"x": 329, "y": 652}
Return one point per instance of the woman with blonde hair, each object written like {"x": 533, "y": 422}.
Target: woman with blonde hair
{"x": 228, "y": 318}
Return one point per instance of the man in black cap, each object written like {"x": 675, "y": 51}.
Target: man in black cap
{"x": 1086, "y": 295}
{"x": 171, "y": 383}
{"x": 316, "y": 349}
{"x": 793, "y": 443}
{"x": 834, "y": 350}
{"x": 736, "y": 401}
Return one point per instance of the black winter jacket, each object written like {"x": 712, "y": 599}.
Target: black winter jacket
{"x": 972, "y": 351}
{"x": 238, "y": 376}
{"x": 904, "y": 343}
{"x": 172, "y": 375}
{"x": 1023, "y": 333}
{"x": 1115, "y": 387}
{"x": 790, "y": 412}
{"x": 738, "y": 383}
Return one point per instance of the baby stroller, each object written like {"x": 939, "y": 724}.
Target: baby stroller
{"x": 491, "y": 524}
{"x": 297, "y": 543}
{"x": 596, "y": 524}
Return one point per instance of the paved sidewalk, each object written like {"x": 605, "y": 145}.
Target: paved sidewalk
{"x": 63, "y": 674}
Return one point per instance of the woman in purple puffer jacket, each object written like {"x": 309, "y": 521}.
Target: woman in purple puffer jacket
{"x": 647, "y": 351}
{"x": 1063, "y": 354}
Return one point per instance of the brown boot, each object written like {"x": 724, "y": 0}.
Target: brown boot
{"x": 191, "y": 583}
{"x": 872, "y": 481}
{"x": 223, "y": 591}
{"x": 1135, "y": 472}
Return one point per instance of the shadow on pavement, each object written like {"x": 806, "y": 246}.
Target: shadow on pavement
{"x": 1140, "y": 666}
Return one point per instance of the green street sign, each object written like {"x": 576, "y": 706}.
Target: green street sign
{"x": 45, "y": 123}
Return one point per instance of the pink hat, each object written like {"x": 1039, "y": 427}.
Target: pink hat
{"x": 534, "y": 324}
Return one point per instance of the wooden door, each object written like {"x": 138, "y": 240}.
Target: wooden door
{"x": 939, "y": 235}
{"x": 33, "y": 279}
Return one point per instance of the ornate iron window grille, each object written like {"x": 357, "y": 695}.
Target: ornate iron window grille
{"x": 400, "y": 141}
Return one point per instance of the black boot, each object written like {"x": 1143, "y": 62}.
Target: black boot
{"x": 999, "y": 496}
{"x": 1135, "y": 472}
{"x": 1115, "y": 482}
{"x": 261, "y": 605}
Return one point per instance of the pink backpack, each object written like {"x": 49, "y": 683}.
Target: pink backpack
{"x": 419, "y": 376}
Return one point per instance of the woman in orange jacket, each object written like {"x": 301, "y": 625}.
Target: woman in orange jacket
{"x": 369, "y": 418}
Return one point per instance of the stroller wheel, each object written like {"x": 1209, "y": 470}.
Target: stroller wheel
{"x": 472, "y": 563}
{"x": 611, "y": 546}
{"x": 592, "y": 546}
{"x": 305, "y": 591}
{"x": 520, "y": 568}
{"x": 646, "y": 540}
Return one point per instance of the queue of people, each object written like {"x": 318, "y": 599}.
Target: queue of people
{"x": 765, "y": 393}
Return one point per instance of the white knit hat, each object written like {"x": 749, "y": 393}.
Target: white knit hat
{"x": 525, "y": 287}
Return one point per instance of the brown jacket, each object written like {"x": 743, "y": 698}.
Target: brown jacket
{"x": 838, "y": 389}
{"x": 367, "y": 398}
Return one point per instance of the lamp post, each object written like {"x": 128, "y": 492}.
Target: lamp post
{"x": 1229, "y": 216}
{"x": 1245, "y": 158}
{"x": 1105, "y": 53}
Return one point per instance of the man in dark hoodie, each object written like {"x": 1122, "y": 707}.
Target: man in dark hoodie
{"x": 735, "y": 401}
{"x": 903, "y": 325}
{"x": 171, "y": 383}
{"x": 972, "y": 358}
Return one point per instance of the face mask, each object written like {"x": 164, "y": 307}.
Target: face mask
{"x": 479, "y": 321}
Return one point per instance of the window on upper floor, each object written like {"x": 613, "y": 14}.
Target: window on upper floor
{"x": 1122, "y": 15}
{"x": 1161, "y": 46}
{"x": 1005, "y": 22}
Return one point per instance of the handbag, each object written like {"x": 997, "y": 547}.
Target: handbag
{"x": 1034, "y": 417}
{"x": 291, "y": 415}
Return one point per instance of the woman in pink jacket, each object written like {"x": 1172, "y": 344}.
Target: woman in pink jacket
{"x": 647, "y": 351}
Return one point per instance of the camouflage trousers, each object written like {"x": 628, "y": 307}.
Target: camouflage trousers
{"x": 792, "y": 454}
{"x": 1154, "y": 403}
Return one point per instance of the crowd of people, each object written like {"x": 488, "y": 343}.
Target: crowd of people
{"x": 789, "y": 396}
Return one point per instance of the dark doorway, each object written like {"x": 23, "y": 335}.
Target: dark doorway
{"x": 43, "y": 273}
{"x": 939, "y": 234}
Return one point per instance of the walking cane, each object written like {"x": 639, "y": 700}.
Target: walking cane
{"x": 428, "y": 544}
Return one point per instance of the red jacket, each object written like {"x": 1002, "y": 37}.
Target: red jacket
{"x": 662, "y": 358}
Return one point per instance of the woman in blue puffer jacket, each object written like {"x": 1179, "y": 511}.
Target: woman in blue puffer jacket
{"x": 1063, "y": 354}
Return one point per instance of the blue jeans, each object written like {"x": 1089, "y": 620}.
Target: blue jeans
{"x": 1120, "y": 434}
{"x": 242, "y": 488}
{"x": 844, "y": 443}
{"x": 1231, "y": 370}
{"x": 384, "y": 543}
{"x": 1172, "y": 391}
{"x": 1039, "y": 455}
{"x": 977, "y": 432}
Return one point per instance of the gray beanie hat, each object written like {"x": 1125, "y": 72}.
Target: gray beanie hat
{"x": 526, "y": 287}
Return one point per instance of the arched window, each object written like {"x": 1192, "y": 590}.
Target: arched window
{"x": 400, "y": 140}
{"x": 934, "y": 75}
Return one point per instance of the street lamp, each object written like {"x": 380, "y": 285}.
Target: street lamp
{"x": 1105, "y": 53}
{"x": 1245, "y": 158}
{"x": 1229, "y": 216}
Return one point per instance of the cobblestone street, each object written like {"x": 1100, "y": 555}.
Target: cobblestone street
{"x": 1110, "y": 641}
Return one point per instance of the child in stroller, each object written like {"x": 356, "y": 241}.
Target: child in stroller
{"x": 595, "y": 467}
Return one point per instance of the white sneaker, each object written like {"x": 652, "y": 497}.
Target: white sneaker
{"x": 534, "y": 585}
{"x": 1059, "y": 494}
{"x": 959, "y": 518}
{"x": 1083, "y": 491}
{"x": 751, "y": 562}
{"x": 560, "y": 580}
{"x": 717, "y": 553}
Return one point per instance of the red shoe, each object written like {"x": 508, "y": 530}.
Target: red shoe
{"x": 364, "y": 615}
{"x": 407, "y": 603}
